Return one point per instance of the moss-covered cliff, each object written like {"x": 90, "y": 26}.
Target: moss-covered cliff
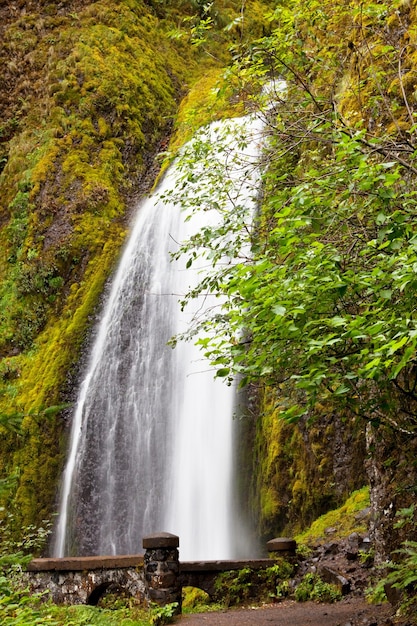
{"x": 301, "y": 471}
{"x": 91, "y": 90}
{"x": 352, "y": 67}
{"x": 89, "y": 94}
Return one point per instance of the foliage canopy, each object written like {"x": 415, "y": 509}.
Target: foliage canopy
{"x": 320, "y": 287}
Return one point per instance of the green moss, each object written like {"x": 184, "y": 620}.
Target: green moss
{"x": 276, "y": 445}
{"x": 343, "y": 520}
{"x": 269, "y": 502}
{"x": 209, "y": 99}
{"x": 195, "y": 600}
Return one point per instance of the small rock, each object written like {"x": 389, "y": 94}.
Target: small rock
{"x": 365, "y": 545}
{"x": 363, "y": 514}
{"x": 331, "y": 548}
{"x": 330, "y": 576}
{"x": 393, "y": 594}
{"x": 354, "y": 538}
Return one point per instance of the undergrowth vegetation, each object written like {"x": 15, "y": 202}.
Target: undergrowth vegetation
{"x": 312, "y": 587}
{"x": 20, "y": 607}
{"x": 248, "y": 585}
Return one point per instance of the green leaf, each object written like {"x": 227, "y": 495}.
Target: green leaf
{"x": 279, "y": 310}
{"x": 396, "y": 345}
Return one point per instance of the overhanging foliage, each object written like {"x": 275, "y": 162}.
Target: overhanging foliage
{"x": 323, "y": 306}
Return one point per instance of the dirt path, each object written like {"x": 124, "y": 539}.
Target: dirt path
{"x": 352, "y": 612}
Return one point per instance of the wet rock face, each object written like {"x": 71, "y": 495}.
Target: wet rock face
{"x": 300, "y": 471}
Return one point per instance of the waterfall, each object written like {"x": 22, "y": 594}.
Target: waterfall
{"x": 151, "y": 444}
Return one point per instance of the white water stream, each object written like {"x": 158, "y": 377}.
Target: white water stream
{"x": 151, "y": 445}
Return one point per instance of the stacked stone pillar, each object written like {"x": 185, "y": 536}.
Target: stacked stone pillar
{"x": 161, "y": 568}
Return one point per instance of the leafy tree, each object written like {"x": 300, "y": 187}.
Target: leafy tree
{"x": 319, "y": 289}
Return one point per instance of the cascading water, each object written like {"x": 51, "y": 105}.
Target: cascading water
{"x": 151, "y": 445}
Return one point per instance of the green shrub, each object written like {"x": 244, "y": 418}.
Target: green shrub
{"x": 17, "y": 606}
{"x": 240, "y": 587}
{"x": 163, "y": 614}
{"x": 312, "y": 587}
{"x": 402, "y": 575}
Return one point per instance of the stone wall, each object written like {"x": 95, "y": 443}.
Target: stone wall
{"x": 157, "y": 577}
{"x": 88, "y": 587}
{"x": 85, "y": 580}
